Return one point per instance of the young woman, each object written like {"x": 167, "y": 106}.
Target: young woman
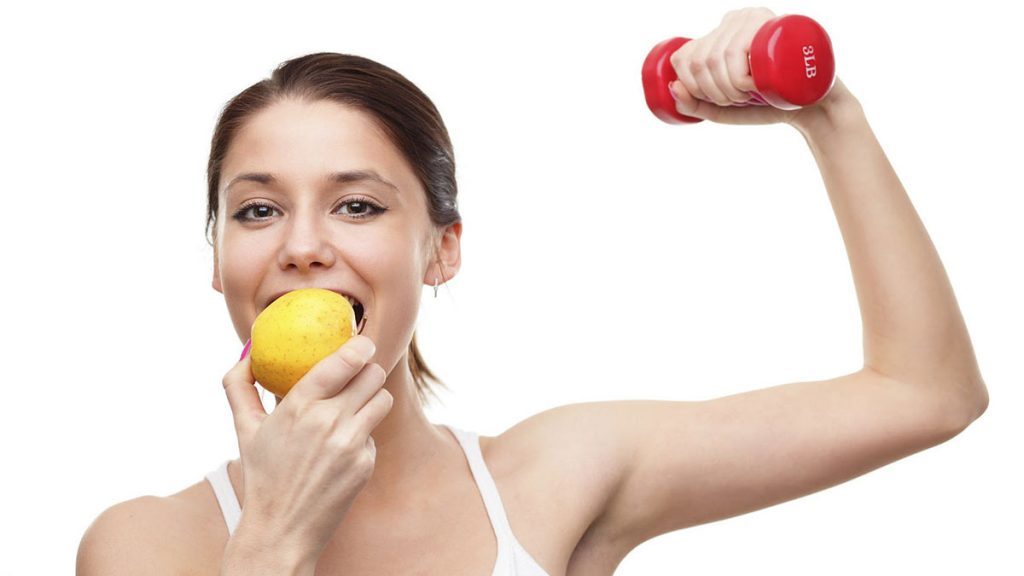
{"x": 338, "y": 173}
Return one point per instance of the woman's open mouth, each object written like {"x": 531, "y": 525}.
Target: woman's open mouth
{"x": 359, "y": 309}
{"x": 360, "y": 318}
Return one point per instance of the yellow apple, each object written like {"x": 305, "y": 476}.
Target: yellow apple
{"x": 295, "y": 332}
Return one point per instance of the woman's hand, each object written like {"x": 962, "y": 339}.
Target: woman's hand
{"x": 305, "y": 463}
{"x": 714, "y": 76}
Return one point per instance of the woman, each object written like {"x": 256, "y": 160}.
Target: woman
{"x": 338, "y": 173}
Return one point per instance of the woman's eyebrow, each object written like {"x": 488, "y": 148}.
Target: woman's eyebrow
{"x": 343, "y": 177}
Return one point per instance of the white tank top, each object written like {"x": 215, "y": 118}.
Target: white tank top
{"x": 512, "y": 560}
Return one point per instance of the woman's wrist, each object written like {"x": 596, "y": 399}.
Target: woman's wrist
{"x": 837, "y": 110}
{"x": 250, "y": 552}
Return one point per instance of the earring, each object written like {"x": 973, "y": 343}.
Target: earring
{"x": 435, "y": 286}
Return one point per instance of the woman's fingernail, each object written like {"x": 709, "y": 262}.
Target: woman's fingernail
{"x": 248, "y": 344}
{"x": 672, "y": 91}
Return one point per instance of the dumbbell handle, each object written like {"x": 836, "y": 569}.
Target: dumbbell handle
{"x": 790, "y": 59}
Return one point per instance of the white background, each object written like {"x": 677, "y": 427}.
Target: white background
{"x": 648, "y": 261}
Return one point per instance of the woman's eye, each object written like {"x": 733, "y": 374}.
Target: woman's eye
{"x": 242, "y": 214}
{"x": 363, "y": 208}
{"x": 359, "y": 208}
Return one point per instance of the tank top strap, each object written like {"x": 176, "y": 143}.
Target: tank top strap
{"x": 470, "y": 442}
{"x": 226, "y": 498}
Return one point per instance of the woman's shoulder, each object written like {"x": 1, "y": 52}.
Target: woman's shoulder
{"x": 570, "y": 437}
{"x": 152, "y": 531}
{"x": 127, "y": 535}
{"x": 557, "y": 443}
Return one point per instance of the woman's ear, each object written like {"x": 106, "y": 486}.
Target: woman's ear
{"x": 447, "y": 256}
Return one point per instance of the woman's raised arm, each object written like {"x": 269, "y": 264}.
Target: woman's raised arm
{"x": 669, "y": 465}
{"x": 913, "y": 329}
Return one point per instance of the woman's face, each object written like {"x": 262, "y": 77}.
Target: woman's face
{"x": 295, "y": 225}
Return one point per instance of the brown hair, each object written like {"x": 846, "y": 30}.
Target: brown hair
{"x": 401, "y": 110}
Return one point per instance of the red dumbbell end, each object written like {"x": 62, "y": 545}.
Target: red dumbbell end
{"x": 792, "y": 62}
{"x": 657, "y": 73}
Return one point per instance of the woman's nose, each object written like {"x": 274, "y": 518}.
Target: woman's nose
{"x": 306, "y": 245}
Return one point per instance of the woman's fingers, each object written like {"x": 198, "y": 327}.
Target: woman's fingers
{"x": 246, "y": 407}
{"x": 363, "y": 387}
{"x": 683, "y": 61}
{"x": 687, "y": 103}
{"x": 372, "y": 413}
{"x": 730, "y": 68}
{"x": 362, "y": 405}
{"x": 716, "y": 68}
{"x": 737, "y": 59}
{"x": 710, "y": 68}
{"x": 332, "y": 373}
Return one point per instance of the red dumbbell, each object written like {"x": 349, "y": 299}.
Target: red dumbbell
{"x": 790, "y": 59}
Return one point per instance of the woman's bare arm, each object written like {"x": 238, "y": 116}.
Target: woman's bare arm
{"x": 668, "y": 465}
{"x": 913, "y": 329}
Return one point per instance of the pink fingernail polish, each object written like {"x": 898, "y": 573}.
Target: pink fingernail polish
{"x": 248, "y": 344}
{"x": 672, "y": 92}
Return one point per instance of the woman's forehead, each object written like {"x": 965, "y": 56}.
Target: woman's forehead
{"x": 302, "y": 140}
{"x": 298, "y": 130}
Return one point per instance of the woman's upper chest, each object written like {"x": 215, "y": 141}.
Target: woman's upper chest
{"x": 467, "y": 529}
{"x": 449, "y": 530}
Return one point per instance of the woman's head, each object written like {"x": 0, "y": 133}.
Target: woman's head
{"x": 335, "y": 172}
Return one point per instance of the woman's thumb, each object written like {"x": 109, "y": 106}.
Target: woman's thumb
{"x": 240, "y": 386}
{"x": 686, "y": 103}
